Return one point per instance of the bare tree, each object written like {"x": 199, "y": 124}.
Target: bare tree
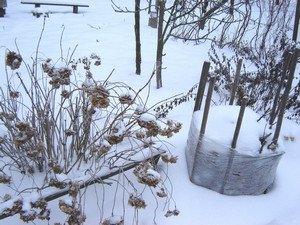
{"x": 197, "y": 21}
{"x": 136, "y": 12}
{"x": 138, "y": 57}
{"x": 160, "y": 44}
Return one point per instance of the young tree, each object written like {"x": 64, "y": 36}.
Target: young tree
{"x": 138, "y": 57}
{"x": 296, "y": 23}
{"x": 160, "y": 43}
{"x": 137, "y": 9}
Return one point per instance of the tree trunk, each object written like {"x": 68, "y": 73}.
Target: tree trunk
{"x": 138, "y": 57}
{"x": 149, "y": 6}
{"x": 296, "y": 23}
{"x": 160, "y": 44}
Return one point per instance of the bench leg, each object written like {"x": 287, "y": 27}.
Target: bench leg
{"x": 2, "y": 12}
{"x": 75, "y": 9}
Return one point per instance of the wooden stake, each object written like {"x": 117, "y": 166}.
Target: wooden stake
{"x": 285, "y": 99}
{"x": 274, "y": 111}
{"x": 201, "y": 87}
{"x": 207, "y": 105}
{"x": 239, "y": 123}
{"x": 236, "y": 81}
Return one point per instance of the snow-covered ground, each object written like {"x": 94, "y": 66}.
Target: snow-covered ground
{"x": 100, "y": 30}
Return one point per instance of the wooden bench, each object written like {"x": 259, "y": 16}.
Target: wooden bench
{"x": 38, "y": 3}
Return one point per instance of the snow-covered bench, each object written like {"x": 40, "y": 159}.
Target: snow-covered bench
{"x": 152, "y": 157}
{"x": 38, "y": 3}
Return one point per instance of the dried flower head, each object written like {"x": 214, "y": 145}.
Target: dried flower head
{"x": 114, "y": 139}
{"x": 174, "y": 212}
{"x": 146, "y": 174}
{"x": 161, "y": 193}
{"x": 14, "y": 94}
{"x": 58, "y": 184}
{"x": 26, "y": 132}
{"x": 44, "y": 214}
{"x": 6, "y": 197}
{"x": 56, "y": 168}
{"x": 99, "y": 102}
{"x": 40, "y": 204}
{"x": 48, "y": 68}
{"x": 96, "y": 58}
{"x": 22, "y": 126}
{"x": 13, "y": 60}
{"x": 65, "y": 207}
{"x": 126, "y": 99}
{"x": 8, "y": 116}
{"x": 74, "y": 189}
{"x": 15, "y": 208}
{"x": 102, "y": 148}
{"x": 136, "y": 202}
{"x": 4, "y": 179}
{"x": 64, "y": 72}
{"x": 169, "y": 158}
{"x": 65, "y": 94}
{"x": 140, "y": 134}
{"x": 151, "y": 126}
{"x": 33, "y": 154}
{"x": 28, "y": 215}
{"x": 172, "y": 127}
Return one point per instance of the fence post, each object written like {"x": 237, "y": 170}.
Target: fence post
{"x": 201, "y": 86}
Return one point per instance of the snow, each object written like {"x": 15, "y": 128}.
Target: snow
{"x": 221, "y": 125}
{"x": 99, "y": 29}
{"x": 153, "y": 173}
{"x": 147, "y": 117}
{"x": 62, "y": 177}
